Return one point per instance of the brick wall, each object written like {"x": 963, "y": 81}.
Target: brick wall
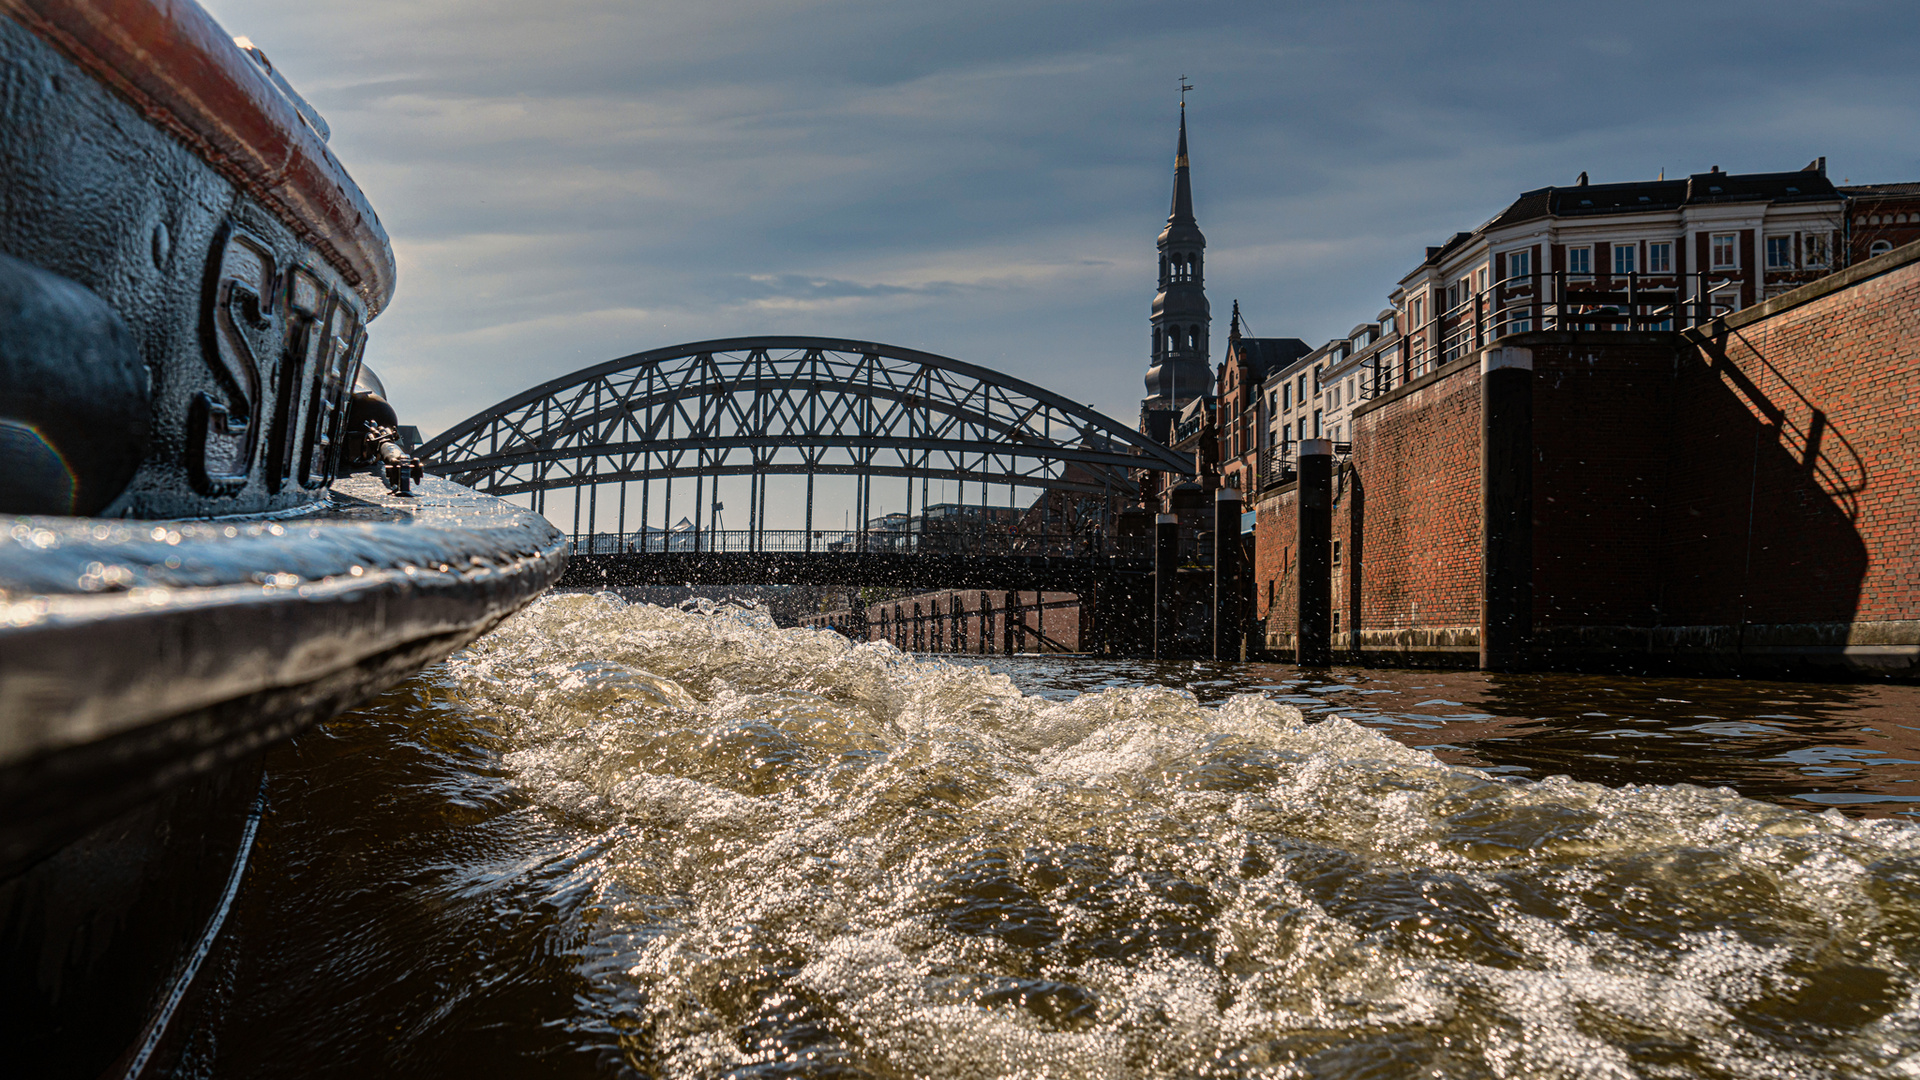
{"x": 1795, "y": 489}
{"x": 1748, "y": 488}
{"x": 1274, "y": 543}
{"x": 1416, "y": 457}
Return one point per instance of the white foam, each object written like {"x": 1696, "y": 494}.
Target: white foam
{"x": 904, "y": 867}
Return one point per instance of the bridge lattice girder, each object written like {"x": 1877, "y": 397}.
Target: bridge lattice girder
{"x": 791, "y": 405}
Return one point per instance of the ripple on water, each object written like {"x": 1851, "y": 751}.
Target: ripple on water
{"x": 825, "y": 859}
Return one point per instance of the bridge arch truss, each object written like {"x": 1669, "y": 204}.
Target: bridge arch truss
{"x": 760, "y": 407}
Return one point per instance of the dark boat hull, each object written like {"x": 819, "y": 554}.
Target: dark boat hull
{"x": 156, "y": 661}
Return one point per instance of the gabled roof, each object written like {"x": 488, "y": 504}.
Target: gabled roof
{"x": 1263, "y": 356}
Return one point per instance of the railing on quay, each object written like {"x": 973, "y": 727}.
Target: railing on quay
{"x": 1559, "y": 300}
{"x": 1556, "y": 300}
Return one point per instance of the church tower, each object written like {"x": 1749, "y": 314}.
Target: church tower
{"x": 1181, "y": 370}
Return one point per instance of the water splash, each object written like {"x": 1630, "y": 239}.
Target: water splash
{"x": 822, "y": 859}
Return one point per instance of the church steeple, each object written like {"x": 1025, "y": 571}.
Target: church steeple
{"x": 1181, "y": 319}
{"x": 1182, "y": 185}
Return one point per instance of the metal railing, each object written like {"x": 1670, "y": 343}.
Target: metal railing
{"x": 843, "y": 542}
{"x": 1559, "y": 300}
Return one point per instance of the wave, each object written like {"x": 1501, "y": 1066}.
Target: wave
{"x": 823, "y": 858}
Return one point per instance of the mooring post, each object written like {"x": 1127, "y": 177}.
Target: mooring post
{"x": 1313, "y": 632}
{"x": 1506, "y": 509}
{"x": 1010, "y": 606}
{"x": 1166, "y": 561}
{"x": 1227, "y": 571}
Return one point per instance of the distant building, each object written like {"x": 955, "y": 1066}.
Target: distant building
{"x": 1243, "y": 420}
{"x": 1682, "y": 249}
{"x": 1881, "y": 217}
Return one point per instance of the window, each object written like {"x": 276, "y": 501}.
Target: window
{"x": 1813, "y": 250}
{"x": 1480, "y": 280}
{"x": 1580, "y": 260}
{"x": 1779, "y": 252}
{"x": 1352, "y": 383}
{"x": 1336, "y": 553}
{"x": 1880, "y": 247}
{"x": 1659, "y": 258}
{"x": 1623, "y": 258}
{"x": 1336, "y": 621}
{"x": 1724, "y": 257}
{"x": 1520, "y": 264}
{"x": 1273, "y": 402}
{"x": 1300, "y": 394}
{"x": 1286, "y": 396}
{"x": 1303, "y": 427}
{"x": 1318, "y": 431}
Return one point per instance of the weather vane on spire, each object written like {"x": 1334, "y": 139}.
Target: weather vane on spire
{"x": 1184, "y": 87}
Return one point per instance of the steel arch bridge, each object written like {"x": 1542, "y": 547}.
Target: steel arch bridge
{"x": 768, "y": 406}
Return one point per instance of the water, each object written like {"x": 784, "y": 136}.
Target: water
{"x": 621, "y": 840}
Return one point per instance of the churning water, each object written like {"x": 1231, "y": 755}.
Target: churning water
{"x": 652, "y": 842}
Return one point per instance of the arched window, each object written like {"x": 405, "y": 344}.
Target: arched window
{"x": 1880, "y": 247}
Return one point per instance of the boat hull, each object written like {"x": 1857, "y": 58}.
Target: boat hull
{"x": 144, "y": 669}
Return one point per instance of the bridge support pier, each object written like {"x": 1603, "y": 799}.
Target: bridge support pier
{"x": 1229, "y": 640}
{"x": 1506, "y": 508}
{"x": 1166, "y": 564}
{"x": 1313, "y": 634}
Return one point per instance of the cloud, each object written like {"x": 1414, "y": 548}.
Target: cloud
{"x": 581, "y": 179}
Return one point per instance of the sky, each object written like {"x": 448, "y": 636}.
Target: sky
{"x": 575, "y": 180}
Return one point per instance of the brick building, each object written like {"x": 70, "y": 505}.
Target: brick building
{"x": 1243, "y": 415}
{"x": 1881, "y": 217}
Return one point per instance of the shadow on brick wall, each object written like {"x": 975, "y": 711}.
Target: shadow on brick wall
{"x": 1763, "y": 516}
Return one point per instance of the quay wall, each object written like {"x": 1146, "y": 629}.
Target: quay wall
{"x": 1741, "y": 495}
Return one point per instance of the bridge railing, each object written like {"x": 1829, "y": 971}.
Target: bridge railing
{"x": 842, "y": 542}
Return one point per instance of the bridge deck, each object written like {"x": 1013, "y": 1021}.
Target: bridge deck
{"x": 924, "y": 570}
